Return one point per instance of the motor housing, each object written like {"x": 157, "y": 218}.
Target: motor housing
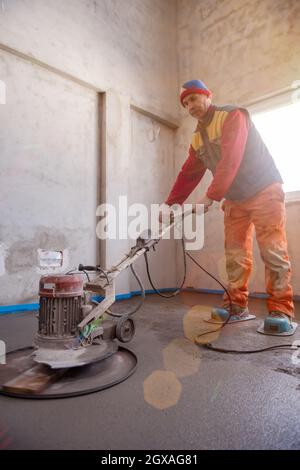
{"x": 60, "y": 308}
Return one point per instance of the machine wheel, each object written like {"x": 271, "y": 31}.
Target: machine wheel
{"x": 125, "y": 329}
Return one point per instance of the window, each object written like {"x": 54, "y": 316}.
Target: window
{"x": 280, "y": 131}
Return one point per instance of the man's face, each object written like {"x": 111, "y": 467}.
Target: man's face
{"x": 197, "y": 105}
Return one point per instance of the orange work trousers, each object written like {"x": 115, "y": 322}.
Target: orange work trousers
{"x": 266, "y": 212}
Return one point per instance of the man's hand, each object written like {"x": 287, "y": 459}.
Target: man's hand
{"x": 206, "y": 201}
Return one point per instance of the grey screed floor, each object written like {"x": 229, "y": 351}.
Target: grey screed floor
{"x": 181, "y": 396}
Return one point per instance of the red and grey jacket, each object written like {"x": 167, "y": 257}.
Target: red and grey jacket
{"x": 235, "y": 154}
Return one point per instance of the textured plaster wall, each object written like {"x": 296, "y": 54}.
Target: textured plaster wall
{"x": 152, "y": 146}
{"x": 242, "y": 48}
{"x": 48, "y": 164}
{"x": 50, "y": 157}
{"x": 124, "y": 45}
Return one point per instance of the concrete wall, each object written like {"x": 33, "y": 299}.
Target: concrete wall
{"x": 242, "y": 50}
{"x": 152, "y": 139}
{"x": 49, "y": 162}
{"x": 124, "y": 45}
{"x": 140, "y": 163}
{"x": 55, "y": 59}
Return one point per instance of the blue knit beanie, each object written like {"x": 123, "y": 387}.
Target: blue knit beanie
{"x": 194, "y": 86}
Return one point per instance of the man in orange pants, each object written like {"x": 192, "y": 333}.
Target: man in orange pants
{"x": 244, "y": 173}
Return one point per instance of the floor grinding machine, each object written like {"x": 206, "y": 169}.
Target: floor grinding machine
{"x": 76, "y": 349}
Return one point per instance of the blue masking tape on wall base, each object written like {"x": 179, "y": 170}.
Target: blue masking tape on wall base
{"x": 5, "y": 309}
{"x": 18, "y": 308}
{"x": 136, "y": 292}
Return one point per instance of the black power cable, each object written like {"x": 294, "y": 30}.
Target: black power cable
{"x": 230, "y": 313}
{"x": 138, "y": 306}
{"x": 220, "y": 283}
{"x": 180, "y": 288}
{"x": 75, "y": 271}
{"x": 251, "y": 351}
{"x": 83, "y": 269}
{"x": 151, "y": 282}
{"x": 232, "y": 351}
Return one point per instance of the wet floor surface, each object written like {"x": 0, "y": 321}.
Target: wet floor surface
{"x": 182, "y": 396}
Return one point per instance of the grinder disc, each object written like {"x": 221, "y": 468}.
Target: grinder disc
{"x": 21, "y": 370}
{"x": 63, "y": 358}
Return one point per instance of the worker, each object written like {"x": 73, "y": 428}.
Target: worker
{"x": 246, "y": 180}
